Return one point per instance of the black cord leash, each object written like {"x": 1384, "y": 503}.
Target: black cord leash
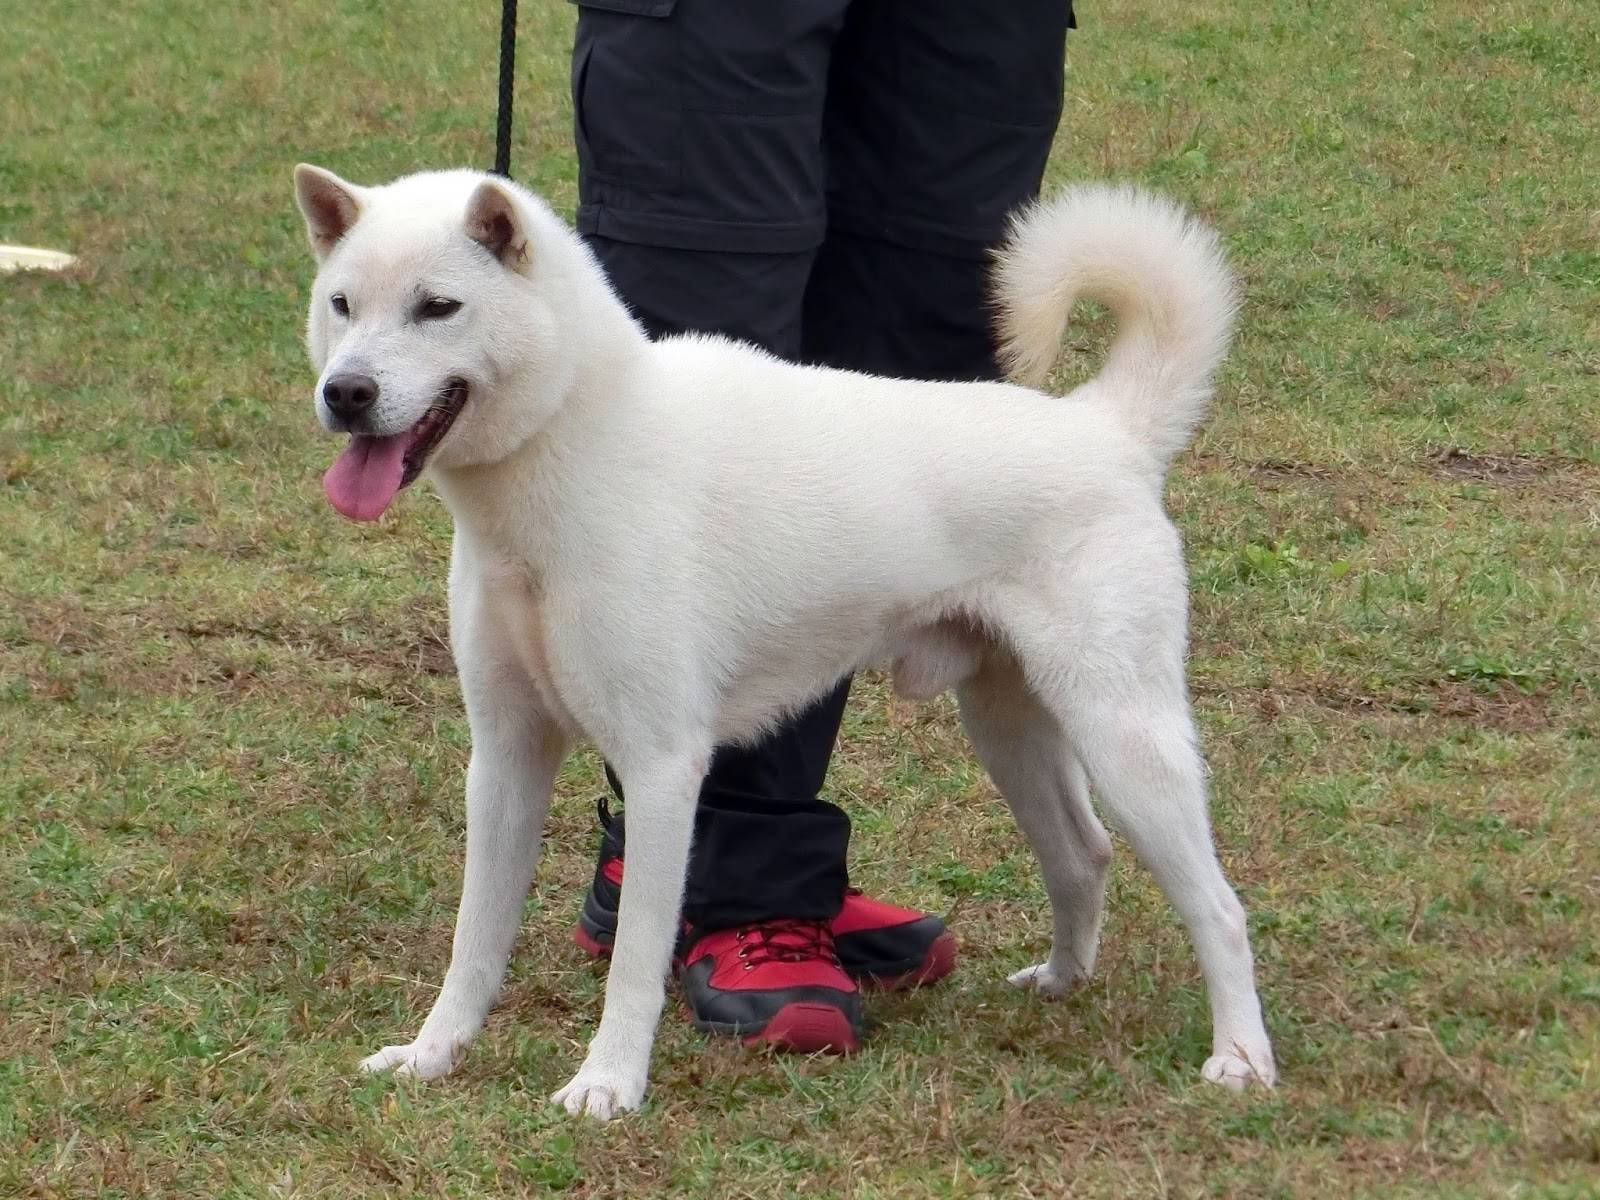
{"x": 508, "y": 57}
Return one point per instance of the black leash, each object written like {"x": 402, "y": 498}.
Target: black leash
{"x": 508, "y": 57}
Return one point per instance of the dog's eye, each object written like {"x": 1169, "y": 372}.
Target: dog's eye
{"x": 340, "y": 304}
{"x": 436, "y": 308}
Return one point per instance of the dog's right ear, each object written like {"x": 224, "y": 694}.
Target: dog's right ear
{"x": 329, "y": 205}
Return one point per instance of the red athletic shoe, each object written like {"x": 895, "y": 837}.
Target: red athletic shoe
{"x": 882, "y": 945}
{"x": 776, "y": 983}
{"x": 878, "y": 944}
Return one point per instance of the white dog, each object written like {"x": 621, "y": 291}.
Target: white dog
{"x": 665, "y": 546}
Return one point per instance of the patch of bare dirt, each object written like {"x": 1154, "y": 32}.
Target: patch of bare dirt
{"x": 1290, "y": 469}
{"x": 37, "y": 960}
{"x": 1455, "y": 463}
{"x": 1504, "y": 707}
{"x": 1450, "y": 463}
{"x": 422, "y": 648}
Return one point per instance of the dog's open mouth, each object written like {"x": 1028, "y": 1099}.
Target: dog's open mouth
{"x": 364, "y": 479}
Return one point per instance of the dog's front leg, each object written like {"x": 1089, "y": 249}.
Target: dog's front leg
{"x": 661, "y": 800}
{"x": 509, "y": 780}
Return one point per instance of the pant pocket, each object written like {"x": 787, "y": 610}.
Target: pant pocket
{"x": 627, "y": 85}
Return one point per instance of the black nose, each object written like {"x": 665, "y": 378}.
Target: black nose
{"x": 349, "y": 396}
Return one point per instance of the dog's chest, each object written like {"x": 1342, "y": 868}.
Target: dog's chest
{"x": 516, "y": 615}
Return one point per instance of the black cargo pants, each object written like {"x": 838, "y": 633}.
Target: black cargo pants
{"x": 823, "y": 178}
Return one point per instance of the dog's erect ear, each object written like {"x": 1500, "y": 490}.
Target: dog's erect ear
{"x": 329, "y": 204}
{"x": 495, "y": 223}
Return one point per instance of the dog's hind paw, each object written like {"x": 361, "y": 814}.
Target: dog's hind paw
{"x": 1044, "y": 979}
{"x": 600, "y": 1094}
{"x": 1236, "y": 1072}
{"x": 424, "y": 1059}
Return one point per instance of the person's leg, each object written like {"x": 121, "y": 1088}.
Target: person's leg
{"x": 940, "y": 118}
{"x": 755, "y": 298}
{"x": 701, "y": 191}
{"x": 874, "y": 305}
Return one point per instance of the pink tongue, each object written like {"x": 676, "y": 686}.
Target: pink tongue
{"x": 364, "y": 478}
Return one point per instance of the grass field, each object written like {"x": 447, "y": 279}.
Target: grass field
{"x": 231, "y": 743}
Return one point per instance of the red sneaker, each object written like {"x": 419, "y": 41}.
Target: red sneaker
{"x": 884, "y": 946}
{"x": 879, "y": 944}
{"x": 776, "y": 983}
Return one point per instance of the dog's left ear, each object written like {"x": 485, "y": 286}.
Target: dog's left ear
{"x": 495, "y": 222}
{"x": 329, "y": 205}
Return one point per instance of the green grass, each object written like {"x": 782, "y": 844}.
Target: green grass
{"x": 231, "y": 745}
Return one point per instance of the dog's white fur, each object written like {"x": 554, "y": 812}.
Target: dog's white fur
{"x": 664, "y": 546}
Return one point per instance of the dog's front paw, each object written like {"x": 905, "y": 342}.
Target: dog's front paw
{"x": 426, "y": 1058}
{"x": 1238, "y": 1071}
{"x": 1044, "y": 979}
{"x": 602, "y": 1092}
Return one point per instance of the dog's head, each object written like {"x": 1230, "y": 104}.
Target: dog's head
{"x": 430, "y": 325}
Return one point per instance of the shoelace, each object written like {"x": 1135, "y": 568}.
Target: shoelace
{"x": 786, "y": 940}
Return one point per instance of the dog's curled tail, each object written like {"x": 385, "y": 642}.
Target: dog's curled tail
{"x": 1160, "y": 272}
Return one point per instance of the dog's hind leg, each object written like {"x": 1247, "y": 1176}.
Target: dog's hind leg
{"x": 661, "y": 790}
{"x": 1026, "y": 753}
{"x": 1148, "y": 775}
{"x": 1106, "y": 658}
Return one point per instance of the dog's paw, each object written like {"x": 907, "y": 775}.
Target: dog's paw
{"x": 426, "y": 1059}
{"x": 1044, "y": 979}
{"x": 1236, "y": 1072}
{"x": 601, "y": 1092}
